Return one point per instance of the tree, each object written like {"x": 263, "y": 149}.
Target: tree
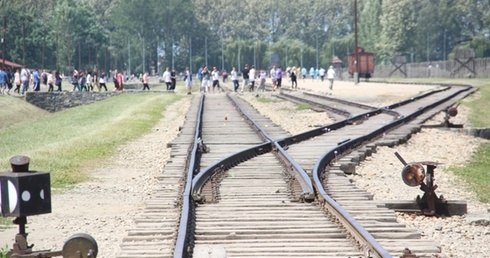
{"x": 369, "y": 24}
{"x": 398, "y": 22}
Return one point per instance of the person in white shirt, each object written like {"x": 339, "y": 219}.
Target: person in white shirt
{"x": 167, "y": 78}
{"x": 321, "y": 73}
{"x": 273, "y": 76}
{"x": 263, "y": 76}
{"x": 330, "y": 76}
{"x": 215, "y": 75}
{"x": 50, "y": 82}
{"x": 90, "y": 87}
{"x": 234, "y": 78}
{"x": 252, "y": 78}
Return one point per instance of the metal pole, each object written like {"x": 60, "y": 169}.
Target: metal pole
{"x": 302, "y": 32}
{"x": 158, "y": 61}
{"x": 258, "y": 54}
{"x": 255, "y": 53}
{"x": 173, "y": 53}
{"x": 3, "y": 41}
{"x": 286, "y": 56}
{"x": 316, "y": 42}
{"x": 23, "y": 44}
{"x": 79, "y": 56}
{"x": 444, "y": 47}
{"x": 301, "y": 55}
{"x": 110, "y": 53}
{"x": 206, "y": 49}
{"x": 445, "y": 58}
{"x": 57, "y": 51}
{"x": 356, "y": 70}
{"x": 428, "y": 47}
{"x": 239, "y": 54}
{"x": 222, "y": 55}
{"x": 190, "y": 54}
{"x": 89, "y": 58}
{"x": 96, "y": 56}
{"x": 44, "y": 45}
{"x": 144, "y": 65}
{"x": 129, "y": 56}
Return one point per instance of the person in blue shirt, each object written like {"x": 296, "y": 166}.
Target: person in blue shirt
{"x": 199, "y": 74}
{"x": 3, "y": 82}
{"x": 37, "y": 80}
{"x": 304, "y": 72}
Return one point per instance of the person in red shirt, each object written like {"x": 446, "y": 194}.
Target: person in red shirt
{"x": 120, "y": 80}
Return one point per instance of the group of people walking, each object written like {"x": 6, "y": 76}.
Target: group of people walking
{"x": 251, "y": 78}
{"x": 88, "y": 81}
{"x": 249, "y": 75}
{"x": 23, "y": 78}
{"x": 209, "y": 79}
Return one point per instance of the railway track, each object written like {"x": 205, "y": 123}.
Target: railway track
{"x": 248, "y": 188}
{"x": 251, "y": 211}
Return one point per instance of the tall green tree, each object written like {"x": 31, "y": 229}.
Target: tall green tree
{"x": 369, "y": 25}
{"x": 397, "y": 23}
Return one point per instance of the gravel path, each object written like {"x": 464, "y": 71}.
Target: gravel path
{"x": 105, "y": 207}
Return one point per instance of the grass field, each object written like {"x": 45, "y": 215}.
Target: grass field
{"x": 69, "y": 142}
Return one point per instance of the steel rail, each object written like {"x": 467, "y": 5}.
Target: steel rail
{"x": 363, "y": 237}
{"x": 232, "y": 160}
{"x": 261, "y": 131}
{"x": 339, "y": 100}
{"x": 338, "y": 111}
{"x": 308, "y": 192}
{"x": 183, "y": 245}
{"x": 184, "y": 241}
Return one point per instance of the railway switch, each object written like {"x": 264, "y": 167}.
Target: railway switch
{"x": 450, "y": 112}
{"x": 414, "y": 174}
{"x": 23, "y": 193}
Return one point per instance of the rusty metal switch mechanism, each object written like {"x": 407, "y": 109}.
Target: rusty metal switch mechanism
{"x": 450, "y": 112}
{"x": 24, "y": 193}
{"x": 414, "y": 174}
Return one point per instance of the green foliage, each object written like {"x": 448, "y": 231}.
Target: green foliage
{"x": 132, "y": 34}
{"x": 481, "y": 45}
{"x": 397, "y": 22}
{"x": 477, "y": 174}
{"x": 369, "y": 33}
{"x": 268, "y": 100}
{"x": 480, "y": 108}
{"x": 4, "y": 223}
{"x": 96, "y": 130}
{"x": 4, "y": 250}
{"x": 290, "y": 52}
{"x": 303, "y": 106}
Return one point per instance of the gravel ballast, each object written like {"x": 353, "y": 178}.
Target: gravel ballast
{"x": 106, "y": 206}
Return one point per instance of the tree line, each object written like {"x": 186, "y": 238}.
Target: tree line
{"x": 137, "y": 35}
